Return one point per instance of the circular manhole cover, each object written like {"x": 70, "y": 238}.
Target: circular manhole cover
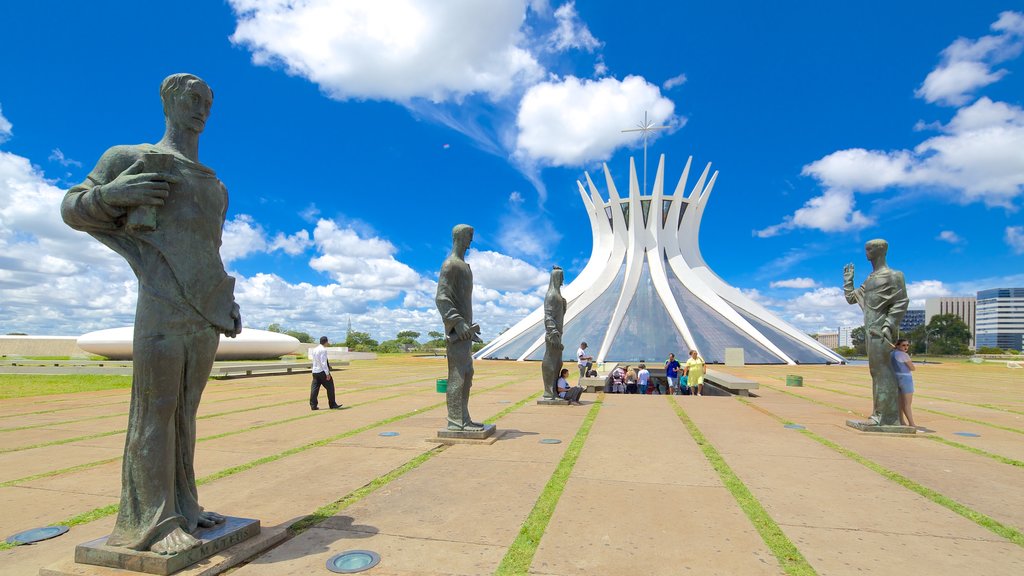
{"x": 37, "y": 535}
{"x": 353, "y": 561}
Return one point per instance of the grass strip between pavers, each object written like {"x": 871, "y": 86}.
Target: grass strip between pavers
{"x": 974, "y": 450}
{"x": 520, "y": 554}
{"x": 325, "y": 512}
{"x": 788, "y": 555}
{"x": 929, "y": 410}
{"x": 104, "y": 511}
{"x": 971, "y": 449}
{"x": 1010, "y": 533}
{"x": 214, "y": 436}
{"x": 276, "y": 422}
{"x": 329, "y": 510}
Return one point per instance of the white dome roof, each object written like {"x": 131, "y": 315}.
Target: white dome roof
{"x": 251, "y": 344}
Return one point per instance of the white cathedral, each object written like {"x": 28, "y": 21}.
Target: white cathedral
{"x": 646, "y": 290}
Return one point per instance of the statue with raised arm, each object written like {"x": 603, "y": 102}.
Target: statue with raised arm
{"x": 883, "y": 298}
{"x": 455, "y": 303}
{"x": 554, "y": 316}
{"x": 163, "y": 211}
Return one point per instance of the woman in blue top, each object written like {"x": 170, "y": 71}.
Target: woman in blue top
{"x": 903, "y": 366}
{"x": 672, "y": 372}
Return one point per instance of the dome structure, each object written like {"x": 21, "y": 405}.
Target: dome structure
{"x": 250, "y": 344}
{"x": 646, "y": 290}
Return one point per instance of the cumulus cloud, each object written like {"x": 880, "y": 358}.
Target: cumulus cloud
{"x": 950, "y": 237}
{"x": 978, "y": 156}
{"x": 795, "y": 283}
{"x": 361, "y": 263}
{"x": 243, "y": 236}
{"x": 49, "y": 273}
{"x": 570, "y": 32}
{"x": 966, "y": 64}
{"x": 5, "y": 127}
{"x": 502, "y": 272}
{"x": 674, "y": 81}
{"x": 833, "y": 211}
{"x": 573, "y": 121}
{"x": 1014, "y": 237}
{"x": 392, "y": 50}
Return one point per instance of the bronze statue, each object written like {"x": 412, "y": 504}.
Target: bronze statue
{"x": 163, "y": 211}
{"x": 883, "y": 298}
{"x": 554, "y": 315}
{"x": 455, "y": 303}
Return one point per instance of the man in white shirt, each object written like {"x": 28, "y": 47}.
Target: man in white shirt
{"x": 321, "y": 377}
{"x": 583, "y": 359}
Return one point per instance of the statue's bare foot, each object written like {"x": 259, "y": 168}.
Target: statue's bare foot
{"x": 473, "y": 427}
{"x": 209, "y": 519}
{"x": 176, "y": 541}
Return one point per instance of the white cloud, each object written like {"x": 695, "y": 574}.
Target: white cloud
{"x": 570, "y": 122}
{"x": 501, "y": 272}
{"x": 58, "y": 156}
{"x": 795, "y": 283}
{"x": 570, "y": 32}
{"x": 967, "y": 64}
{"x": 833, "y": 211}
{"x": 53, "y": 277}
{"x": 949, "y": 236}
{"x": 392, "y": 50}
{"x": 361, "y": 263}
{"x": 5, "y": 127}
{"x": 1015, "y": 238}
{"x": 861, "y": 170}
{"x": 600, "y": 68}
{"x": 979, "y": 157}
{"x": 243, "y": 236}
{"x": 674, "y": 81}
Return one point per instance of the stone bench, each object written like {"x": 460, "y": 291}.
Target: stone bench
{"x": 729, "y": 382}
{"x": 231, "y": 370}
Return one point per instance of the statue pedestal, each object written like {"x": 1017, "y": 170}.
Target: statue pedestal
{"x": 553, "y": 402}
{"x": 223, "y": 546}
{"x": 486, "y": 436}
{"x": 869, "y": 426}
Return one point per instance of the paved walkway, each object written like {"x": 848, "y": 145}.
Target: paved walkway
{"x": 640, "y": 495}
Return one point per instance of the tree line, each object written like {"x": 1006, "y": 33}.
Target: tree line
{"x": 944, "y": 335}
{"x": 404, "y": 341}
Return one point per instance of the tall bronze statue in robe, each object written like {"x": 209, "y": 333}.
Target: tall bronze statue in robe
{"x": 163, "y": 211}
{"x": 455, "y": 303}
{"x": 883, "y": 298}
{"x": 554, "y": 316}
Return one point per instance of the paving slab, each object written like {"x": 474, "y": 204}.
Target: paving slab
{"x": 608, "y": 527}
{"x": 838, "y": 504}
{"x": 400, "y": 556}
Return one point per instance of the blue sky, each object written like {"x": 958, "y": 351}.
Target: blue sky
{"x": 353, "y": 135}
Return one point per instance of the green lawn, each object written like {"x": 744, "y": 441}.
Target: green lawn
{"x": 21, "y": 385}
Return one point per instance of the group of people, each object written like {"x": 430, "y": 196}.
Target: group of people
{"x": 679, "y": 378}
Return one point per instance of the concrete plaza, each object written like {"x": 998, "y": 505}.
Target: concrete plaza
{"x": 638, "y": 485}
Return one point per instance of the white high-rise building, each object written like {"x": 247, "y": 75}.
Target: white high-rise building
{"x": 962, "y": 307}
{"x": 646, "y": 290}
{"x": 1001, "y": 318}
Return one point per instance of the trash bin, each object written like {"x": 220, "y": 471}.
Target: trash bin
{"x": 793, "y": 380}
{"x": 442, "y": 385}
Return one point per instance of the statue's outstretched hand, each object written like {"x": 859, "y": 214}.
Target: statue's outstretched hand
{"x": 134, "y": 187}
{"x": 848, "y": 274}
